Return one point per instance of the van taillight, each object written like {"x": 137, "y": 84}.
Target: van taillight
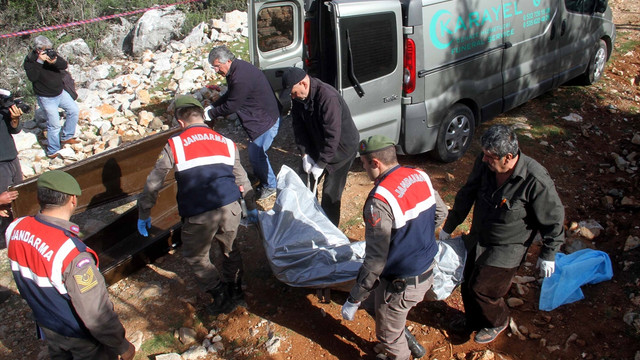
{"x": 409, "y": 76}
{"x": 307, "y": 43}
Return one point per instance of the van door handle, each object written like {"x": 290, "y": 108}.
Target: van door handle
{"x": 564, "y": 27}
{"x": 553, "y": 32}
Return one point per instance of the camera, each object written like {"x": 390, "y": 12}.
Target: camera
{"x": 7, "y": 101}
{"x": 51, "y": 53}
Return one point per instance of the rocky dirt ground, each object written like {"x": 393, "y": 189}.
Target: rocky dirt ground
{"x": 583, "y": 157}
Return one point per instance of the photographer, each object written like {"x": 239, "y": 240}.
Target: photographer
{"x": 10, "y": 171}
{"x": 43, "y": 67}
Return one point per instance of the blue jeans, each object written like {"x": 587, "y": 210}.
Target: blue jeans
{"x": 50, "y": 106}
{"x": 259, "y": 158}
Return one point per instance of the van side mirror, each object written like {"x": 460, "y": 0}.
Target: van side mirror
{"x": 601, "y": 6}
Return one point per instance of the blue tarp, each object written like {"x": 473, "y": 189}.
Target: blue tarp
{"x": 582, "y": 267}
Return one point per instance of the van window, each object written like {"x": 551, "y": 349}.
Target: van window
{"x": 581, "y": 6}
{"x": 373, "y": 46}
{"x": 275, "y": 27}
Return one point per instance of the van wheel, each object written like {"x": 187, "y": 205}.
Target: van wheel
{"x": 596, "y": 64}
{"x": 456, "y": 132}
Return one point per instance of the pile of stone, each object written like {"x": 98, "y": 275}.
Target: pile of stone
{"x": 129, "y": 98}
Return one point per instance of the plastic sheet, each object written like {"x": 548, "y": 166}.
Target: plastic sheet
{"x": 447, "y": 273}
{"x": 303, "y": 247}
{"x": 572, "y": 271}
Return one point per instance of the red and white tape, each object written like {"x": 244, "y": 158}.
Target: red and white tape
{"x": 82, "y": 22}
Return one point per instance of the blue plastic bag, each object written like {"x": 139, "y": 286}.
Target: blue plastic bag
{"x": 586, "y": 266}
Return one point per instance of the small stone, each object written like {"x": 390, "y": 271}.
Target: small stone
{"x": 514, "y": 302}
{"x": 187, "y": 335}
{"x": 449, "y": 177}
{"x": 169, "y": 356}
{"x": 523, "y": 329}
{"x": 535, "y": 336}
{"x": 636, "y": 139}
{"x": 553, "y": 348}
{"x": 631, "y": 243}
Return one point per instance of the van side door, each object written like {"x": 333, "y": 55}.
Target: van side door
{"x": 531, "y": 38}
{"x": 276, "y": 30}
{"x": 369, "y": 48}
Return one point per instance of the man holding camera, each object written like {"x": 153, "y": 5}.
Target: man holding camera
{"x": 44, "y": 69}
{"x": 10, "y": 171}
{"x": 401, "y": 214}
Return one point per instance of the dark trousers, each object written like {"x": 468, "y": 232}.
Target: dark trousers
{"x": 68, "y": 348}
{"x": 332, "y": 189}
{"x": 10, "y": 174}
{"x": 483, "y": 292}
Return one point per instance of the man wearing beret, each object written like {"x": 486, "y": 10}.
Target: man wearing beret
{"x": 58, "y": 276}
{"x": 401, "y": 214}
{"x": 325, "y": 134}
{"x": 210, "y": 182}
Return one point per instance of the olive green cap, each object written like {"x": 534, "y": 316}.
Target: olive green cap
{"x": 375, "y": 143}
{"x": 187, "y": 101}
{"x": 60, "y": 181}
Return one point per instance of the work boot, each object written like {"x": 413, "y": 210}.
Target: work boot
{"x": 417, "y": 350}
{"x": 237, "y": 295}
{"x": 222, "y": 301}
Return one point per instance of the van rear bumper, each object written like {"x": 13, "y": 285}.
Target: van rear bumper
{"x": 418, "y": 137}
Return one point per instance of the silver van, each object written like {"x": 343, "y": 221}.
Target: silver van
{"x": 427, "y": 72}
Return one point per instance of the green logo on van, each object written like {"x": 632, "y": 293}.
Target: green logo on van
{"x": 445, "y": 28}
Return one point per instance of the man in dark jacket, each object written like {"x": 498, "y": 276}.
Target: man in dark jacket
{"x": 249, "y": 95}
{"x": 514, "y": 198}
{"x": 10, "y": 171}
{"x": 324, "y": 132}
{"x": 43, "y": 67}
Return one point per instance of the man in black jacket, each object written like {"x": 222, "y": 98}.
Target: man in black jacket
{"x": 324, "y": 132}
{"x": 10, "y": 171}
{"x": 44, "y": 69}
{"x": 249, "y": 95}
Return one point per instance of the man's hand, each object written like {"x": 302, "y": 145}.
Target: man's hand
{"x": 206, "y": 113}
{"x": 4, "y": 213}
{"x": 15, "y": 112}
{"x": 307, "y": 163}
{"x": 130, "y": 353}
{"x": 444, "y": 235}
{"x": 143, "y": 225}
{"x": 7, "y": 197}
{"x": 316, "y": 171}
{"x": 349, "y": 310}
{"x": 252, "y": 216}
{"x": 546, "y": 267}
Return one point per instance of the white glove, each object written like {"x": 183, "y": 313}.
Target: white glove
{"x": 547, "y": 267}
{"x": 316, "y": 171}
{"x": 349, "y": 310}
{"x": 307, "y": 163}
{"x": 444, "y": 235}
{"x": 206, "y": 113}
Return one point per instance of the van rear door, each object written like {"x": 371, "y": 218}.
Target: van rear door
{"x": 369, "y": 47}
{"x": 276, "y": 30}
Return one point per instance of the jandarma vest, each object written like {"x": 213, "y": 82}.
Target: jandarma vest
{"x": 410, "y": 195}
{"x": 39, "y": 253}
{"x": 204, "y": 170}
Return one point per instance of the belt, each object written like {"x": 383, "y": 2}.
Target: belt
{"x": 414, "y": 280}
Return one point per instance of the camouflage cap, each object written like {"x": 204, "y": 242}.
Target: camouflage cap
{"x": 375, "y": 143}
{"x": 60, "y": 181}
{"x": 187, "y": 101}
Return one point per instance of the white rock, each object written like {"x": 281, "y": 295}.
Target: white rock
{"x": 273, "y": 345}
{"x": 24, "y": 140}
{"x": 100, "y": 72}
{"x": 632, "y": 242}
{"x": 573, "y": 117}
{"x": 169, "y": 356}
{"x": 194, "y": 353}
{"x": 186, "y": 335}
